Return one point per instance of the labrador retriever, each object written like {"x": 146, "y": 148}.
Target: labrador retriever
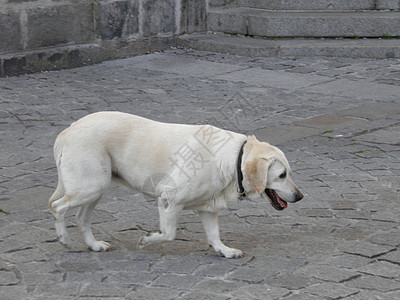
{"x": 199, "y": 167}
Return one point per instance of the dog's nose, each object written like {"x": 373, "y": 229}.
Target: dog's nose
{"x": 299, "y": 196}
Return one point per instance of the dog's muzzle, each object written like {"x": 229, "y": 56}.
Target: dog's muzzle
{"x": 277, "y": 202}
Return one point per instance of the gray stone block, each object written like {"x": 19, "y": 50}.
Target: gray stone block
{"x": 230, "y": 44}
{"x": 370, "y": 111}
{"x": 222, "y": 3}
{"x": 10, "y": 31}
{"x": 117, "y": 19}
{"x": 364, "y": 24}
{"x": 265, "y": 23}
{"x": 188, "y": 66}
{"x": 391, "y": 136}
{"x": 8, "y": 278}
{"x": 282, "y": 134}
{"x": 193, "y": 16}
{"x": 329, "y": 122}
{"x": 228, "y": 21}
{"x": 78, "y": 55}
{"x": 59, "y": 24}
{"x": 13, "y": 66}
{"x": 320, "y": 4}
{"x": 381, "y": 268}
{"x": 372, "y": 282}
{"x": 54, "y": 59}
{"x": 274, "y": 78}
{"x": 368, "y": 48}
{"x": 310, "y": 4}
{"x": 158, "y": 18}
{"x": 330, "y": 290}
{"x": 358, "y": 90}
{"x": 388, "y": 4}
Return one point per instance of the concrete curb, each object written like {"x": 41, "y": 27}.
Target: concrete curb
{"x": 240, "y": 45}
{"x": 74, "y": 56}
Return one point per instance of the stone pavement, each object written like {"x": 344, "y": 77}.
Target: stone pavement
{"x": 338, "y": 121}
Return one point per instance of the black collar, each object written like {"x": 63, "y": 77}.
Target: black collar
{"x": 242, "y": 192}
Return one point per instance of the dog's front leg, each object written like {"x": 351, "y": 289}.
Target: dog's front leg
{"x": 210, "y": 223}
{"x": 169, "y": 218}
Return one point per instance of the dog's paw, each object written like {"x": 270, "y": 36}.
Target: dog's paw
{"x": 142, "y": 242}
{"x": 231, "y": 253}
{"x": 65, "y": 241}
{"x": 100, "y": 246}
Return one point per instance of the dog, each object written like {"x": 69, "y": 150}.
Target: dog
{"x": 199, "y": 167}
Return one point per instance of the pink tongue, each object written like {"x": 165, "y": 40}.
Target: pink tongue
{"x": 281, "y": 202}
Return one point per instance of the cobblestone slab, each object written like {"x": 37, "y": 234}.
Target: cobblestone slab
{"x": 336, "y": 119}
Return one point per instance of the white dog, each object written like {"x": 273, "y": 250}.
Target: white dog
{"x": 200, "y": 167}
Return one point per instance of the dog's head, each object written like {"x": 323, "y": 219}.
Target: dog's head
{"x": 266, "y": 172}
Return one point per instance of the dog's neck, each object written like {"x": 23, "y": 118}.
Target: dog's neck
{"x": 241, "y": 191}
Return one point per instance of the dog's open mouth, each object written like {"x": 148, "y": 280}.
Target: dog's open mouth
{"x": 275, "y": 201}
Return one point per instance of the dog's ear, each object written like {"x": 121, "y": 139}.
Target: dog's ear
{"x": 256, "y": 172}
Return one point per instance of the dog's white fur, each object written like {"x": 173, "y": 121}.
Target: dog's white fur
{"x": 198, "y": 161}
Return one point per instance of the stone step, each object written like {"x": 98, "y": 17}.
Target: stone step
{"x": 267, "y": 23}
{"x": 259, "y": 47}
{"x": 321, "y": 4}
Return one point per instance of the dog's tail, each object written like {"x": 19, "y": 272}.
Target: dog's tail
{"x": 60, "y": 191}
{"x": 58, "y": 194}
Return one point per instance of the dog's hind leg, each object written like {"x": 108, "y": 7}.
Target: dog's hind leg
{"x": 83, "y": 179}
{"x": 83, "y": 217}
{"x": 86, "y": 203}
{"x": 59, "y": 209}
{"x": 60, "y": 215}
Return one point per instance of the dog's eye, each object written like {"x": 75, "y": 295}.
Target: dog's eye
{"x": 283, "y": 175}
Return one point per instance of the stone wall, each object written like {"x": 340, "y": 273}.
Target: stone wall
{"x": 40, "y": 35}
